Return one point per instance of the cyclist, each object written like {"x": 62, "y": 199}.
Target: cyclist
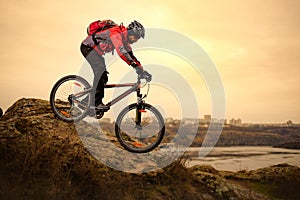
{"x": 94, "y": 47}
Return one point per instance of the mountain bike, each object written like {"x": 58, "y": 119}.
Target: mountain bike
{"x": 139, "y": 127}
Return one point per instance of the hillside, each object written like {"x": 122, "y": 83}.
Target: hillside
{"x": 44, "y": 158}
{"x": 242, "y": 136}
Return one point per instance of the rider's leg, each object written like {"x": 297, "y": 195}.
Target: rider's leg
{"x": 99, "y": 69}
{"x": 99, "y": 94}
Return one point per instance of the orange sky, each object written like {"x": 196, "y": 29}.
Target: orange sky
{"x": 254, "y": 44}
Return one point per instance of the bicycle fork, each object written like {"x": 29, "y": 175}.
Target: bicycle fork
{"x": 139, "y": 110}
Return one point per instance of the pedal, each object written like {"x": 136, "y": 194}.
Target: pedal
{"x": 99, "y": 115}
{"x": 103, "y": 108}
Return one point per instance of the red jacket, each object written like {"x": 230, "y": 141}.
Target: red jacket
{"x": 113, "y": 38}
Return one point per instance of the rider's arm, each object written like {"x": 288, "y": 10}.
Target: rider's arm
{"x": 125, "y": 52}
{"x": 135, "y": 64}
{"x": 117, "y": 41}
{"x": 134, "y": 58}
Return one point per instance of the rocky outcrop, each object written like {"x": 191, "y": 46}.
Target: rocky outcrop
{"x": 42, "y": 157}
{"x": 217, "y": 184}
{"x": 279, "y": 181}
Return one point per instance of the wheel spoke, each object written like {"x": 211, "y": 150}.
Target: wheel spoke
{"x": 61, "y": 105}
{"x": 140, "y": 137}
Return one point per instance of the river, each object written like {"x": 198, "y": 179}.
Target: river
{"x": 244, "y": 157}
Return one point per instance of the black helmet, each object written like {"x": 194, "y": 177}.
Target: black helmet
{"x": 137, "y": 29}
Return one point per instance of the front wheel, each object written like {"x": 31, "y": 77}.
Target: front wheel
{"x": 140, "y": 131}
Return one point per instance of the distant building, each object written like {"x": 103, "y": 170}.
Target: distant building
{"x": 218, "y": 121}
{"x": 207, "y": 119}
{"x": 190, "y": 121}
{"x": 172, "y": 122}
{"x": 235, "y": 122}
{"x": 289, "y": 123}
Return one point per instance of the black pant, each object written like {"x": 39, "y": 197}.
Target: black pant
{"x": 99, "y": 69}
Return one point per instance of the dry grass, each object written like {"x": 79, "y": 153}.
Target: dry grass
{"x": 56, "y": 167}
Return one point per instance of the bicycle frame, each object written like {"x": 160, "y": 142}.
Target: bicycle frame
{"x": 134, "y": 87}
{"x": 140, "y": 102}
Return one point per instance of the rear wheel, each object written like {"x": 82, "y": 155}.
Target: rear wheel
{"x": 140, "y": 137}
{"x": 63, "y": 95}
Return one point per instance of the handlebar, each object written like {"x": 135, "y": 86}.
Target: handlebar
{"x": 145, "y": 75}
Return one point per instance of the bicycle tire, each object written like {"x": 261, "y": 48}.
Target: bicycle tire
{"x": 61, "y": 106}
{"x": 156, "y": 116}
